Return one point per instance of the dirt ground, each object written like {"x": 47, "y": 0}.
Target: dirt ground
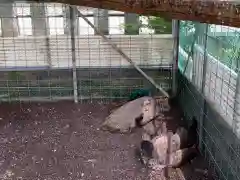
{"x": 62, "y": 141}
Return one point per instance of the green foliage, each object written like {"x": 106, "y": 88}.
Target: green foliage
{"x": 224, "y": 45}
{"x": 187, "y": 34}
{"x": 230, "y": 56}
{"x": 14, "y": 76}
{"x": 158, "y": 24}
{"x": 187, "y": 26}
{"x": 139, "y": 93}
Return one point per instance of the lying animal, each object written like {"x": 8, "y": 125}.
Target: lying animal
{"x": 157, "y": 148}
{"x": 123, "y": 119}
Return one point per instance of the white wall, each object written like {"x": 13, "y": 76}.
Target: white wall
{"x": 156, "y": 50}
{"x": 220, "y": 84}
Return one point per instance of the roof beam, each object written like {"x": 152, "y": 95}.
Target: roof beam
{"x": 224, "y": 12}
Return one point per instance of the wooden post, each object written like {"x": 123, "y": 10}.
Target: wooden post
{"x": 169, "y": 149}
{"x": 73, "y": 22}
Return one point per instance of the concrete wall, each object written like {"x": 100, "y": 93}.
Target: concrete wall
{"x": 91, "y": 51}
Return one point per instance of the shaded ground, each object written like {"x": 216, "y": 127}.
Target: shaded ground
{"x": 62, "y": 140}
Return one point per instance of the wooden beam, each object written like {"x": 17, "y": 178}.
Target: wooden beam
{"x": 224, "y": 12}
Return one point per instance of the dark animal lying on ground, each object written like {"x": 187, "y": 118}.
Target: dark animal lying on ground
{"x": 122, "y": 119}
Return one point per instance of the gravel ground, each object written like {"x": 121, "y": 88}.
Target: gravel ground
{"x": 62, "y": 141}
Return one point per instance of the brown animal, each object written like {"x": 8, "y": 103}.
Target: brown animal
{"x": 147, "y": 119}
{"x": 123, "y": 119}
{"x": 157, "y": 148}
{"x": 176, "y": 159}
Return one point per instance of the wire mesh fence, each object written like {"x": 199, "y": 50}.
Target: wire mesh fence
{"x": 44, "y": 44}
{"x": 208, "y": 84}
{"x": 50, "y": 52}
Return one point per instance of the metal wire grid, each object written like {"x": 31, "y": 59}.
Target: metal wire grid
{"x": 48, "y": 45}
{"x": 210, "y": 93}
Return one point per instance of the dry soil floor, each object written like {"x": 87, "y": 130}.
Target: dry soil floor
{"x": 62, "y": 141}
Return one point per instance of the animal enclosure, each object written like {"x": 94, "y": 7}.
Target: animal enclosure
{"x": 44, "y": 47}
{"x": 50, "y": 53}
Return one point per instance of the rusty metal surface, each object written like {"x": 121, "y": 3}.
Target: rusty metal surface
{"x": 213, "y": 11}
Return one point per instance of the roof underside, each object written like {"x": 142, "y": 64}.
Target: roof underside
{"x": 206, "y": 11}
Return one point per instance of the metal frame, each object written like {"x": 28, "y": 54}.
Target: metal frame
{"x": 72, "y": 29}
{"x": 235, "y": 108}
{"x": 203, "y": 113}
{"x": 175, "y": 32}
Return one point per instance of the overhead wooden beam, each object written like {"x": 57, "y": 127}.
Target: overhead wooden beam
{"x": 224, "y": 12}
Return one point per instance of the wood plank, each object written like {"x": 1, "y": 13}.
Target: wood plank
{"x": 222, "y": 12}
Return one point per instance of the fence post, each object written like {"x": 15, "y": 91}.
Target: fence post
{"x": 236, "y": 106}
{"x": 175, "y": 33}
{"x": 74, "y": 69}
{"x": 203, "y": 104}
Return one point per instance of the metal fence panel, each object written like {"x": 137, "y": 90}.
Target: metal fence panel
{"x": 41, "y": 42}
{"x": 214, "y": 64}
